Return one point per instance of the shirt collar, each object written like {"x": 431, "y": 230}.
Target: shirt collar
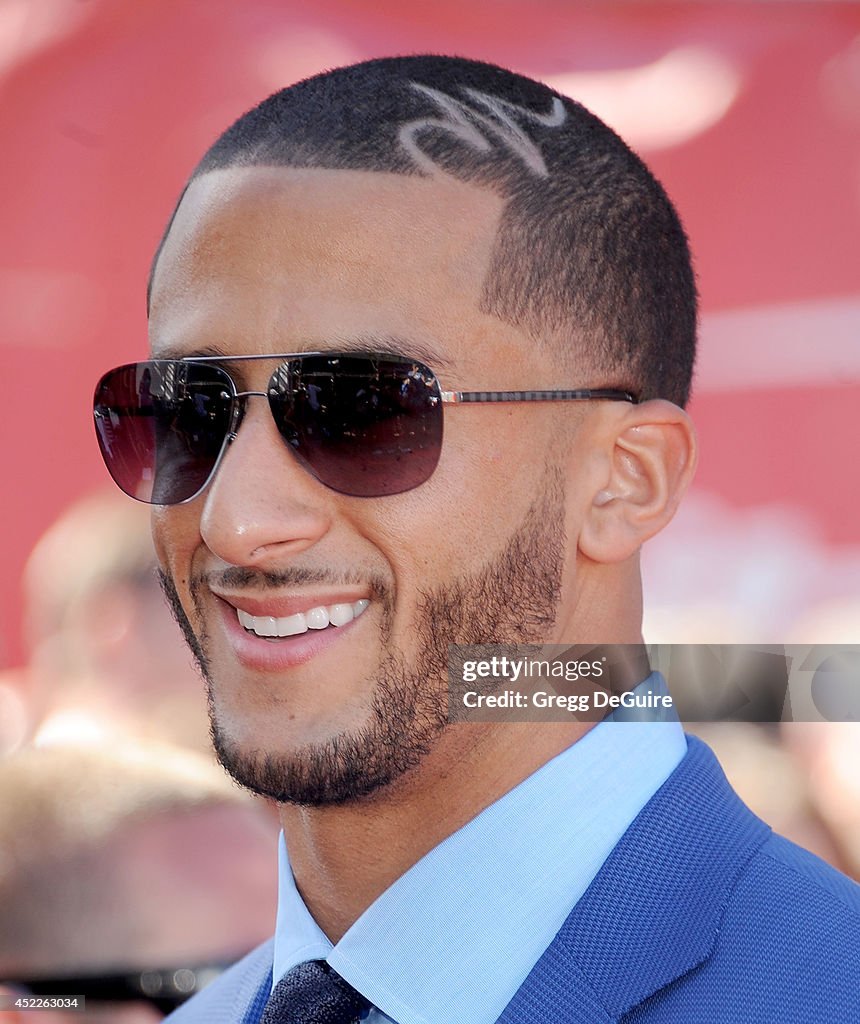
{"x": 456, "y": 935}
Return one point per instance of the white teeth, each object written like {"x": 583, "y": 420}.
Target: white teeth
{"x": 340, "y": 614}
{"x": 292, "y": 625}
{"x": 317, "y": 618}
{"x": 301, "y": 622}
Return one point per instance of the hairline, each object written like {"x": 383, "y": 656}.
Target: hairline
{"x": 407, "y": 347}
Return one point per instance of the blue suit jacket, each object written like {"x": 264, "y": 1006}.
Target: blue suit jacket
{"x": 700, "y": 915}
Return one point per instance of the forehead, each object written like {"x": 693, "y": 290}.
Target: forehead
{"x": 295, "y": 257}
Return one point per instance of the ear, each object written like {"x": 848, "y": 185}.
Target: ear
{"x": 651, "y": 458}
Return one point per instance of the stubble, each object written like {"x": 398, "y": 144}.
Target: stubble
{"x": 513, "y": 599}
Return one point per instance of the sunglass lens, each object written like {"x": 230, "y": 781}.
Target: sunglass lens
{"x": 161, "y": 427}
{"x": 366, "y": 426}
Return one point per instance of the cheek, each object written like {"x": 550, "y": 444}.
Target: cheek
{"x": 494, "y": 461}
{"x": 487, "y": 480}
{"x": 176, "y": 536}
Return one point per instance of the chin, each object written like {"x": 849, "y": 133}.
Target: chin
{"x": 334, "y": 769}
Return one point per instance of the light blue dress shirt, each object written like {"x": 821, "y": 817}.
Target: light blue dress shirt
{"x": 455, "y": 937}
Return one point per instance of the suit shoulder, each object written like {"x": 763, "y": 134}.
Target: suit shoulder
{"x": 786, "y": 949}
{"x": 807, "y": 896}
{"x": 229, "y": 998}
{"x": 792, "y": 924}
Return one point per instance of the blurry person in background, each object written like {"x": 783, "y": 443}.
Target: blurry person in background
{"x": 103, "y": 653}
{"x": 120, "y": 867}
{"x": 828, "y": 751}
{"x": 14, "y": 709}
{"x": 828, "y": 756}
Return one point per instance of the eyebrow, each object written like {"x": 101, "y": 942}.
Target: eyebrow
{"x": 176, "y": 354}
{"x": 382, "y": 344}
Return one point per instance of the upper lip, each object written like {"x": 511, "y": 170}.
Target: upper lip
{"x": 281, "y": 606}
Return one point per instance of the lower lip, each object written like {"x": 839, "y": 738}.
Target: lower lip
{"x": 264, "y": 655}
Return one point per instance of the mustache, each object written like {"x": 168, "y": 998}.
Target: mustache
{"x": 237, "y": 577}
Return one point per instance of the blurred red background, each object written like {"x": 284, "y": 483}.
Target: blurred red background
{"x": 748, "y": 112}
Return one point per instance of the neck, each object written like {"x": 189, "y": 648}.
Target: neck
{"x": 344, "y": 857}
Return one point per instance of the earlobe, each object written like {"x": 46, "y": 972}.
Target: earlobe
{"x": 651, "y": 463}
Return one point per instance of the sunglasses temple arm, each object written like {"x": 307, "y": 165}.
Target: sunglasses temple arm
{"x": 581, "y": 394}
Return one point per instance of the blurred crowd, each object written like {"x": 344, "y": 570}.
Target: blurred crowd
{"x": 131, "y": 869}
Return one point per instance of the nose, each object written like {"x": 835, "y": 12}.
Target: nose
{"x": 262, "y": 507}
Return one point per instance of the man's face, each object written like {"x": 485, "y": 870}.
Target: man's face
{"x": 266, "y": 260}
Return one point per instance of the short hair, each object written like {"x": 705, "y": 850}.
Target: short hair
{"x": 590, "y": 248}
{"x": 60, "y": 809}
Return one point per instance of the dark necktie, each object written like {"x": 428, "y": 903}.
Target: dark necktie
{"x": 313, "y": 993}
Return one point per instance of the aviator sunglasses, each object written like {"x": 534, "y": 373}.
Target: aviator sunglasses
{"x": 364, "y": 424}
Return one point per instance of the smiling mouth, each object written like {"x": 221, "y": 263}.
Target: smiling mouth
{"x": 321, "y": 617}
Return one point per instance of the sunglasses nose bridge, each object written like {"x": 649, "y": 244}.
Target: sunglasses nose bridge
{"x": 251, "y": 394}
{"x": 240, "y": 401}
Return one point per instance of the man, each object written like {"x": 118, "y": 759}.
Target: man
{"x": 96, "y": 900}
{"x": 339, "y": 247}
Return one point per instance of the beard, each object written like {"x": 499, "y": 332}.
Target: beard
{"x": 512, "y": 600}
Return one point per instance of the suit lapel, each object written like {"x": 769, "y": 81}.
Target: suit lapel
{"x": 556, "y": 992}
{"x": 653, "y": 911}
